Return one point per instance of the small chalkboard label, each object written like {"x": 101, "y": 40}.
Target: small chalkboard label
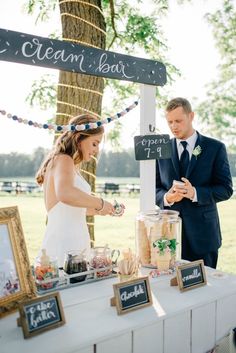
{"x": 132, "y": 295}
{"x": 152, "y": 147}
{"x": 191, "y": 275}
{"x": 41, "y": 314}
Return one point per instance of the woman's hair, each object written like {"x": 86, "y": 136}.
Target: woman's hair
{"x": 179, "y": 102}
{"x": 68, "y": 143}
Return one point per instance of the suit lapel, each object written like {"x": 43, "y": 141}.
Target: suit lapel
{"x": 175, "y": 157}
{"x": 193, "y": 161}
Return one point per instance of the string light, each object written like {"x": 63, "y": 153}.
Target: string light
{"x": 80, "y": 88}
{"x": 90, "y": 45}
{"x": 65, "y": 114}
{"x": 85, "y": 21}
{"x": 82, "y": 2}
{"x": 80, "y": 42}
{"x": 79, "y": 107}
{"x": 88, "y": 173}
{"x": 61, "y": 128}
{"x": 95, "y": 158}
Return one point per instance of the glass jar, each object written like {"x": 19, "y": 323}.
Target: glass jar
{"x": 75, "y": 262}
{"x": 101, "y": 256}
{"x": 152, "y": 226}
{"x": 45, "y": 270}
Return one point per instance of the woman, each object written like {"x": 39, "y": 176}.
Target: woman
{"x": 67, "y": 194}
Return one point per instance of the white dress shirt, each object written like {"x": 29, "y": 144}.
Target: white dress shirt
{"x": 190, "y": 147}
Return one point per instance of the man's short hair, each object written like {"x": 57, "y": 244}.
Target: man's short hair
{"x": 179, "y": 102}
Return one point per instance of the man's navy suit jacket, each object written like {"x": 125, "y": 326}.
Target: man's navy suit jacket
{"x": 209, "y": 173}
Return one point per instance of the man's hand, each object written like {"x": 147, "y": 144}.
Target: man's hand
{"x": 186, "y": 190}
{"x": 173, "y": 196}
{"x": 178, "y": 192}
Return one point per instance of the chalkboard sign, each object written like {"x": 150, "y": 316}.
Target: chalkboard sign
{"x": 152, "y": 147}
{"x": 62, "y": 55}
{"x": 41, "y": 314}
{"x": 191, "y": 275}
{"x": 132, "y": 295}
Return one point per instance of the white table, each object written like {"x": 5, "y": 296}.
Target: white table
{"x": 188, "y": 322}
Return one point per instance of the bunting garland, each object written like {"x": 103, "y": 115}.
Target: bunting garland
{"x": 62, "y": 128}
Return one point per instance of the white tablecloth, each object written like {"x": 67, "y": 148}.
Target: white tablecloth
{"x": 188, "y": 322}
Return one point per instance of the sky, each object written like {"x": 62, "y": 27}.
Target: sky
{"x": 191, "y": 49}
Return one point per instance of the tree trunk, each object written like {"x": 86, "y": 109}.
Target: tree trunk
{"x": 79, "y": 94}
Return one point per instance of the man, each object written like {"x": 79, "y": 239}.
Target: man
{"x": 204, "y": 171}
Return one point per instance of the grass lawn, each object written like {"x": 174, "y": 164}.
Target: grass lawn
{"x": 117, "y": 232}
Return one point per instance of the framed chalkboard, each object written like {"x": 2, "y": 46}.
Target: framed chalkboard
{"x": 132, "y": 295}
{"x": 152, "y": 147}
{"x": 41, "y": 314}
{"x": 191, "y": 275}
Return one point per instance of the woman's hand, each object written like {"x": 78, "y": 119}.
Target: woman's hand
{"x": 107, "y": 209}
{"x": 119, "y": 209}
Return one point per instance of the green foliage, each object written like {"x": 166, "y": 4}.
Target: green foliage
{"x": 224, "y": 30}
{"x": 138, "y": 34}
{"x": 43, "y": 8}
{"x": 20, "y": 164}
{"x": 111, "y": 164}
{"x": 164, "y": 244}
{"x": 129, "y": 31}
{"x": 218, "y": 111}
{"x": 118, "y": 232}
{"x": 118, "y": 164}
{"x": 114, "y": 136}
{"x": 172, "y": 246}
{"x": 43, "y": 93}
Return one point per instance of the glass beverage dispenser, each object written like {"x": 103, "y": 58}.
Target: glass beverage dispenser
{"x": 162, "y": 227}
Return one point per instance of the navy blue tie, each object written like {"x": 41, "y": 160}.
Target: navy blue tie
{"x": 184, "y": 159}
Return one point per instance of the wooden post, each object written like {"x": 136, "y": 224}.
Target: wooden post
{"x": 147, "y": 167}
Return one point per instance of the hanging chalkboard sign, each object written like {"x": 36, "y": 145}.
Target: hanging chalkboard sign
{"x": 62, "y": 55}
{"x": 41, "y": 314}
{"x": 191, "y": 275}
{"x": 152, "y": 147}
{"x": 132, "y": 295}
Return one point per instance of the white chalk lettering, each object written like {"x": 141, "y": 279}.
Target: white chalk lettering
{"x": 104, "y": 67}
{"x": 152, "y": 142}
{"x": 159, "y": 151}
{"x": 148, "y": 150}
{"x": 195, "y": 274}
{"x": 40, "y": 317}
{"x": 35, "y": 48}
{"x": 138, "y": 290}
{"x": 40, "y": 313}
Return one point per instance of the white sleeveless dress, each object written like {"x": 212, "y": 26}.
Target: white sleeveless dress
{"x": 67, "y": 228}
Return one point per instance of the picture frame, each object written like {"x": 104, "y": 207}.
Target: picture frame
{"x": 16, "y": 280}
{"x": 191, "y": 275}
{"x": 132, "y": 295}
{"x": 41, "y": 314}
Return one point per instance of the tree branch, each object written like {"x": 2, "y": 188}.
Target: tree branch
{"x": 112, "y": 9}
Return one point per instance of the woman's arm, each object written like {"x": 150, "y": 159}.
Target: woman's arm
{"x": 92, "y": 212}
{"x": 66, "y": 192}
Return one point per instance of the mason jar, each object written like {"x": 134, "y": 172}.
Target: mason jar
{"x": 46, "y": 271}
{"x": 102, "y": 257}
{"x": 152, "y": 226}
